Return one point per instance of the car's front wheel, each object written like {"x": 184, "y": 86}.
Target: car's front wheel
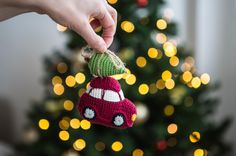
{"x": 118, "y": 120}
{"x": 89, "y": 113}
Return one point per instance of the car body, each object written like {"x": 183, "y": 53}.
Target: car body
{"x": 104, "y": 103}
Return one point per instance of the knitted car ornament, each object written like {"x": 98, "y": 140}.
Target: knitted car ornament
{"x": 104, "y": 102}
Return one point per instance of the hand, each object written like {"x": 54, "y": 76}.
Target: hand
{"x": 76, "y": 15}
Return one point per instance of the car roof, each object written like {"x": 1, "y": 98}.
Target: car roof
{"x": 107, "y": 83}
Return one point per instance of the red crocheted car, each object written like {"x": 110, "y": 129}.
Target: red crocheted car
{"x": 104, "y": 103}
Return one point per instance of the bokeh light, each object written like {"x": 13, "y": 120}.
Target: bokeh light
{"x": 187, "y": 76}
{"x": 169, "y": 110}
{"x": 100, "y": 146}
{"x": 196, "y": 82}
{"x": 81, "y": 91}
{"x": 169, "y": 49}
{"x": 138, "y": 152}
{"x": 75, "y": 123}
{"x": 152, "y": 88}
{"x": 131, "y": 79}
{"x": 70, "y": 81}
{"x": 172, "y": 128}
{"x": 79, "y": 144}
{"x": 127, "y": 26}
{"x": 43, "y": 124}
{"x": 161, "y": 24}
{"x": 205, "y": 78}
{"x": 174, "y": 61}
{"x": 64, "y": 135}
{"x": 141, "y": 62}
{"x": 143, "y": 89}
{"x": 200, "y": 152}
{"x": 116, "y": 146}
{"x": 160, "y": 84}
{"x": 68, "y": 105}
{"x": 166, "y": 75}
{"x": 64, "y": 124}
{"x": 80, "y": 78}
{"x": 170, "y": 84}
{"x": 85, "y": 124}
{"x": 56, "y": 80}
{"x": 61, "y": 28}
{"x": 152, "y": 52}
{"x": 62, "y": 67}
{"x": 194, "y": 137}
{"x": 58, "y": 89}
{"x": 112, "y": 1}
{"x": 161, "y": 38}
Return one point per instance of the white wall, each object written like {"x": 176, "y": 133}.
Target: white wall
{"x": 24, "y": 40}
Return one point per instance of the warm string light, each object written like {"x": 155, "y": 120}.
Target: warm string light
{"x": 141, "y": 61}
{"x": 152, "y": 88}
{"x": 68, "y": 105}
{"x": 169, "y": 49}
{"x": 64, "y": 124}
{"x": 138, "y": 152}
{"x": 43, "y": 124}
{"x": 79, "y": 144}
{"x": 85, "y": 124}
{"x": 187, "y": 76}
{"x": 62, "y": 67}
{"x": 161, "y": 38}
{"x": 56, "y": 80}
{"x": 75, "y": 123}
{"x": 64, "y": 135}
{"x": 143, "y": 89}
{"x": 200, "y": 152}
{"x": 117, "y": 146}
{"x": 70, "y": 81}
{"x": 112, "y": 1}
{"x": 174, "y": 61}
{"x": 194, "y": 137}
{"x": 166, "y": 75}
{"x": 160, "y": 84}
{"x": 169, "y": 110}
{"x": 170, "y": 84}
{"x": 131, "y": 79}
{"x": 196, "y": 82}
{"x": 58, "y": 89}
{"x": 161, "y": 24}
{"x": 80, "y": 78}
{"x": 172, "y": 128}
{"x": 127, "y": 26}
{"x": 205, "y": 78}
{"x": 152, "y": 52}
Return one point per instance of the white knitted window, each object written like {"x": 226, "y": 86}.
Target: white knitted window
{"x": 121, "y": 95}
{"x": 96, "y": 93}
{"x": 111, "y": 96}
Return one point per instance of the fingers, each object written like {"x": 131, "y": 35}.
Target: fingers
{"x": 108, "y": 25}
{"x": 87, "y": 32}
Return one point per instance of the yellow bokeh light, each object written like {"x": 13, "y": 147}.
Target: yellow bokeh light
{"x": 152, "y": 88}
{"x": 56, "y": 80}
{"x": 64, "y": 135}
{"x": 205, "y": 78}
{"x": 58, "y": 89}
{"x": 61, "y": 28}
{"x": 196, "y": 82}
{"x": 85, "y": 124}
{"x": 117, "y": 146}
{"x": 127, "y": 26}
{"x": 160, "y": 84}
{"x": 131, "y": 79}
{"x": 125, "y": 75}
{"x": 170, "y": 84}
{"x": 152, "y": 52}
{"x": 166, "y": 75}
{"x": 70, "y": 81}
{"x": 169, "y": 49}
{"x": 199, "y": 152}
{"x": 187, "y": 76}
{"x": 68, "y": 105}
{"x": 80, "y": 78}
{"x": 169, "y": 110}
{"x": 79, "y": 144}
{"x": 75, "y": 123}
{"x": 64, "y": 124}
{"x": 62, "y": 67}
{"x": 143, "y": 89}
{"x": 112, "y": 1}
{"x": 100, "y": 146}
{"x": 172, "y": 128}
{"x": 117, "y": 76}
{"x": 138, "y": 152}
{"x": 88, "y": 84}
{"x": 161, "y": 24}
{"x": 194, "y": 137}
{"x": 141, "y": 62}
{"x": 161, "y": 38}
{"x": 81, "y": 91}
{"x": 174, "y": 61}
{"x": 43, "y": 124}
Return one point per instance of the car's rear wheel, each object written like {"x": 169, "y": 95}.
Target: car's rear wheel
{"x": 89, "y": 113}
{"x": 118, "y": 120}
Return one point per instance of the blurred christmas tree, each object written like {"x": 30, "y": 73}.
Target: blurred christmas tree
{"x": 173, "y": 103}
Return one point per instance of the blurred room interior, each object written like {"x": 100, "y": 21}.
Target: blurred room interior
{"x": 205, "y": 27}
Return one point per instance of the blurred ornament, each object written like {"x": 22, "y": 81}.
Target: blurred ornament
{"x": 30, "y": 136}
{"x": 142, "y": 112}
{"x": 126, "y": 54}
{"x": 161, "y": 145}
{"x": 177, "y": 94}
{"x": 142, "y": 3}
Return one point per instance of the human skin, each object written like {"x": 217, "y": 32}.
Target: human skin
{"x": 82, "y": 16}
